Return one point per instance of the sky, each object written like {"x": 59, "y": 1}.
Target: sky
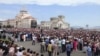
{"x": 76, "y": 12}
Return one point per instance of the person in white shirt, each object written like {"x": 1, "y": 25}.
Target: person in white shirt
{"x": 24, "y": 36}
{"x": 52, "y": 41}
{"x": 63, "y": 44}
{"x": 19, "y": 53}
{"x": 48, "y": 37}
{"x": 34, "y": 40}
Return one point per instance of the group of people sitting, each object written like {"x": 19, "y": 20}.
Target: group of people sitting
{"x": 12, "y": 49}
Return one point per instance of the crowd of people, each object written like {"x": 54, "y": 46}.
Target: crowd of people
{"x": 56, "y": 41}
{"x": 69, "y": 41}
{"x": 12, "y": 49}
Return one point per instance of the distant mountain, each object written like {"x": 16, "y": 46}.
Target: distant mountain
{"x": 97, "y": 27}
{"x": 76, "y": 27}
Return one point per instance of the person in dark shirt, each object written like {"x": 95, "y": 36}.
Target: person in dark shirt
{"x": 6, "y": 49}
{"x": 68, "y": 48}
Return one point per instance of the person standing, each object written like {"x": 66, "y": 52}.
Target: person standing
{"x": 50, "y": 49}
{"x": 55, "y": 49}
{"x": 81, "y": 45}
{"x": 63, "y": 45}
{"x": 59, "y": 46}
{"x": 42, "y": 46}
{"x": 33, "y": 40}
{"x": 46, "y": 43}
{"x": 89, "y": 50}
{"x": 75, "y": 44}
{"x": 68, "y": 48}
{"x": 24, "y": 37}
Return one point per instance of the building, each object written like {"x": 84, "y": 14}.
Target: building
{"x": 22, "y": 20}
{"x": 55, "y": 22}
{"x": 0, "y": 24}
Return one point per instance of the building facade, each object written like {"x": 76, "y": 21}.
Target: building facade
{"x": 22, "y": 20}
{"x": 55, "y": 22}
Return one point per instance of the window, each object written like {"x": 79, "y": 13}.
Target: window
{"x": 33, "y": 24}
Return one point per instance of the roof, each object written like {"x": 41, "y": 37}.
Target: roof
{"x": 30, "y": 17}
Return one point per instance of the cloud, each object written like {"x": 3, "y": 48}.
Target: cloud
{"x": 51, "y": 2}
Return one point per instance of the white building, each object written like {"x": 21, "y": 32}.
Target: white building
{"x": 55, "y": 22}
{"x": 22, "y": 20}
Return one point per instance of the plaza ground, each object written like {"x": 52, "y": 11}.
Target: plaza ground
{"x": 36, "y": 48}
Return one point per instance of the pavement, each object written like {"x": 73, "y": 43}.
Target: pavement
{"x": 28, "y": 44}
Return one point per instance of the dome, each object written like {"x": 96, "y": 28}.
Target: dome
{"x": 30, "y": 17}
{"x": 24, "y": 15}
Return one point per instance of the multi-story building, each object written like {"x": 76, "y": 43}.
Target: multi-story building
{"x": 22, "y": 20}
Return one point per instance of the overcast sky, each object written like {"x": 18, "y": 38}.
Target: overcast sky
{"x": 76, "y": 12}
